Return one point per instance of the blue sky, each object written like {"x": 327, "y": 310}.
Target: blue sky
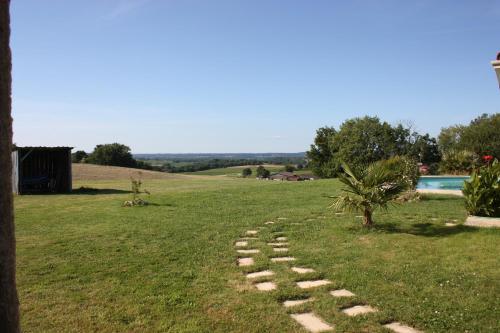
{"x": 244, "y": 76}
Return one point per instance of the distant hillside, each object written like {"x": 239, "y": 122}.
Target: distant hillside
{"x": 227, "y": 156}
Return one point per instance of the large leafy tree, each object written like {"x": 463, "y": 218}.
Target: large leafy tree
{"x": 361, "y": 141}
{"x": 112, "y": 154}
{"x": 9, "y": 303}
{"x": 321, "y": 156}
{"x": 481, "y": 136}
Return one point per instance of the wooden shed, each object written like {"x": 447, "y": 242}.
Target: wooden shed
{"x": 41, "y": 170}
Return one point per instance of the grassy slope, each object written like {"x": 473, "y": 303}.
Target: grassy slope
{"x": 87, "y": 264}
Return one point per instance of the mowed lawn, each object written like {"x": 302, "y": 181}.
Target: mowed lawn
{"x": 86, "y": 264}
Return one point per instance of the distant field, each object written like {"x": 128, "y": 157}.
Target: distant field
{"x": 86, "y": 264}
{"x": 236, "y": 171}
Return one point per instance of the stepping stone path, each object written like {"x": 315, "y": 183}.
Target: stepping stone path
{"x": 302, "y": 270}
{"x": 245, "y": 261}
{"x": 296, "y": 302}
{"x": 399, "y": 328}
{"x": 266, "y": 286}
{"x": 250, "y": 251}
{"x": 259, "y": 274}
{"x": 450, "y": 224}
{"x": 282, "y": 259}
{"x": 341, "y": 293}
{"x": 312, "y": 284}
{"x": 359, "y": 310}
{"x": 311, "y": 322}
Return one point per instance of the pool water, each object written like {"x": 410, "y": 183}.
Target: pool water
{"x": 442, "y": 183}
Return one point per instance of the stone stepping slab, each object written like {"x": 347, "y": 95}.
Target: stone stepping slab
{"x": 245, "y": 261}
{"x": 252, "y": 232}
{"x": 359, "y": 310}
{"x": 266, "y": 286}
{"x": 312, "y": 283}
{"x": 280, "y": 249}
{"x": 342, "y": 293}
{"x": 296, "y": 302}
{"x": 282, "y": 259}
{"x": 259, "y": 274}
{"x": 277, "y": 244}
{"x": 311, "y": 322}
{"x": 241, "y": 244}
{"x": 281, "y": 239}
{"x": 302, "y": 270}
{"x": 269, "y": 222}
{"x": 249, "y": 238}
{"x": 282, "y": 218}
{"x": 400, "y": 328}
{"x": 249, "y": 251}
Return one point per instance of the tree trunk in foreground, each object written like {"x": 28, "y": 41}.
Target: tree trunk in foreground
{"x": 367, "y": 218}
{"x": 9, "y": 303}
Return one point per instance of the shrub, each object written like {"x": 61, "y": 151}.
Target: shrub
{"x": 369, "y": 189}
{"x": 458, "y": 162}
{"x": 136, "y": 185}
{"x": 262, "y": 172}
{"x": 482, "y": 191}
{"x": 246, "y": 172}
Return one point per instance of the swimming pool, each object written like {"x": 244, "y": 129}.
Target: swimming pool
{"x": 441, "y": 183}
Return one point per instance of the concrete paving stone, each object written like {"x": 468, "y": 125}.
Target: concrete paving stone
{"x": 302, "y": 270}
{"x": 311, "y": 322}
{"x": 266, "y": 286}
{"x": 312, "y": 283}
{"x": 245, "y": 261}
{"x": 341, "y": 293}
{"x": 359, "y": 310}
{"x": 260, "y": 274}
{"x": 249, "y": 251}
{"x": 282, "y": 259}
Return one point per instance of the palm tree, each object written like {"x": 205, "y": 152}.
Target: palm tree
{"x": 9, "y": 304}
{"x": 372, "y": 188}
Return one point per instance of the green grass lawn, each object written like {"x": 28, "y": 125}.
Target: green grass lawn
{"x": 85, "y": 264}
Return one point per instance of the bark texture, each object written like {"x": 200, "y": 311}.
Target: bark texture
{"x": 9, "y": 303}
{"x": 367, "y": 218}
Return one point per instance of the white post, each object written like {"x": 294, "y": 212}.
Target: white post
{"x": 496, "y": 66}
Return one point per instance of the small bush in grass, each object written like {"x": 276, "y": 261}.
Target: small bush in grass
{"x": 374, "y": 187}
{"x": 136, "y": 185}
{"x": 246, "y": 172}
{"x": 482, "y": 191}
{"x": 262, "y": 172}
